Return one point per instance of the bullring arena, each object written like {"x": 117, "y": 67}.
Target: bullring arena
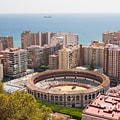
{"x": 71, "y": 88}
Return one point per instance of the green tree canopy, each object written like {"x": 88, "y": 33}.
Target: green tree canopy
{"x": 1, "y": 87}
{"x": 20, "y": 105}
{"x": 92, "y": 66}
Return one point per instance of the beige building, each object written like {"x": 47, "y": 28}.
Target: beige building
{"x": 69, "y": 57}
{"x": 26, "y": 39}
{"x": 112, "y": 62}
{"x": 111, "y": 37}
{"x": 1, "y": 68}
{"x": 6, "y": 42}
{"x": 34, "y": 56}
{"x": 69, "y": 38}
{"x": 39, "y": 55}
{"x": 14, "y": 62}
{"x": 29, "y": 38}
{"x": 53, "y": 62}
{"x": 93, "y": 54}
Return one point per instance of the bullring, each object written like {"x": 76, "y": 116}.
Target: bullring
{"x": 71, "y": 87}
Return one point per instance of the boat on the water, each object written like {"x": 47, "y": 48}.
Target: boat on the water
{"x": 47, "y": 16}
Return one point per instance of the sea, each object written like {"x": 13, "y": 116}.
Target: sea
{"x": 88, "y": 26}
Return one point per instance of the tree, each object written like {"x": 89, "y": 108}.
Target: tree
{"x": 44, "y": 67}
{"x": 20, "y": 105}
{"x": 1, "y": 87}
{"x": 92, "y": 66}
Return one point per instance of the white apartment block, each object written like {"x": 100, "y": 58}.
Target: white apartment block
{"x": 14, "y": 62}
{"x": 68, "y": 57}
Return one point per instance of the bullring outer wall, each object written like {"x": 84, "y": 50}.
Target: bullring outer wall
{"x": 68, "y": 98}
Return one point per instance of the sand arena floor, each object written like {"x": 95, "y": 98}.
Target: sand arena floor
{"x": 70, "y": 88}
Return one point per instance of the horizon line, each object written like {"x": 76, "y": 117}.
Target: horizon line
{"x": 68, "y": 13}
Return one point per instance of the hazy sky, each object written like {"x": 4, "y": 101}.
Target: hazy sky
{"x": 59, "y": 6}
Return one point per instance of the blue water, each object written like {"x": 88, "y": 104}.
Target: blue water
{"x": 88, "y": 26}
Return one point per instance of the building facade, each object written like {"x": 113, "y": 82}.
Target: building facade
{"x": 93, "y": 54}
{"x": 6, "y": 42}
{"x": 111, "y": 37}
{"x": 29, "y": 38}
{"x": 43, "y": 86}
{"x": 69, "y": 39}
{"x": 34, "y": 56}
{"x": 1, "y": 68}
{"x": 53, "y": 62}
{"x": 103, "y": 107}
{"x": 26, "y": 39}
{"x": 112, "y": 62}
{"x": 14, "y": 62}
{"x": 69, "y": 57}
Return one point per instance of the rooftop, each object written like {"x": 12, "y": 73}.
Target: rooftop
{"x": 104, "y": 106}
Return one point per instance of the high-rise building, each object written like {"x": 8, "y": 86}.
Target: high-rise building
{"x": 111, "y": 37}
{"x": 112, "y": 62}
{"x": 69, "y": 57}
{"x": 26, "y": 39}
{"x": 53, "y": 62}
{"x": 1, "y": 68}
{"x": 29, "y": 38}
{"x": 34, "y": 56}
{"x": 69, "y": 38}
{"x": 14, "y": 62}
{"x": 42, "y": 38}
{"x": 93, "y": 54}
{"x": 6, "y": 42}
{"x": 49, "y": 50}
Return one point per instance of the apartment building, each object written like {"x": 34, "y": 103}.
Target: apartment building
{"x": 26, "y": 39}
{"x": 14, "y": 62}
{"x": 6, "y": 42}
{"x": 34, "y": 56}
{"x": 111, "y": 37}
{"x": 1, "y": 68}
{"x": 49, "y": 50}
{"x": 53, "y": 61}
{"x": 69, "y": 57}
{"x": 69, "y": 38}
{"x": 29, "y": 38}
{"x": 93, "y": 53}
{"x": 112, "y": 62}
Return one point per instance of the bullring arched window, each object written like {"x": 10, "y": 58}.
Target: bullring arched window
{"x": 93, "y": 96}
{"x": 56, "y": 97}
{"x": 85, "y": 97}
{"x": 89, "y": 96}
{"x": 45, "y": 97}
{"x": 61, "y": 98}
{"x": 77, "y": 97}
{"x": 41, "y": 95}
{"x": 68, "y": 98}
{"x": 38, "y": 95}
{"x": 52, "y": 97}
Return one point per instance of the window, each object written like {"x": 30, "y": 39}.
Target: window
{"x": 56, "y": 97}
{"x": 52, "y": 97}
{"x": 38, "y": 95}
{"x": 89, "y": 96}
{"x": 77, "y": 97}
{"x": 85, "y": 97}
{"x": 68, "y": 98}
{"x": 61, "y": 98}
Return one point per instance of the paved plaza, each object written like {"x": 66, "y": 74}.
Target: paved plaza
{"x": 17, "y": 84}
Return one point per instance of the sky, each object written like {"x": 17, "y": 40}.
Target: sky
{"x": 59, "y": 6}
